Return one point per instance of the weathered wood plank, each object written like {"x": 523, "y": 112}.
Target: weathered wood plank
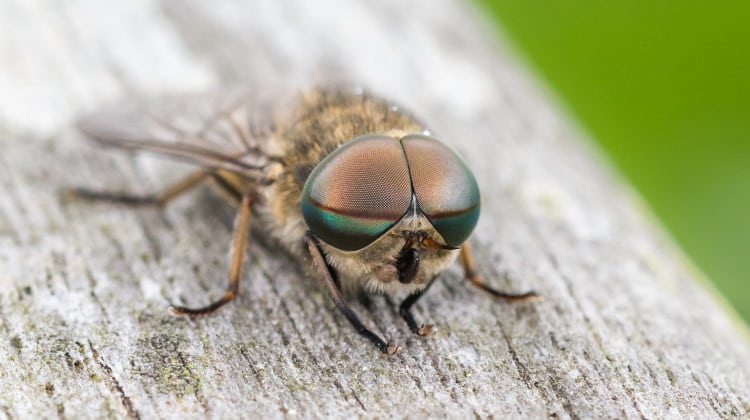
{"x": 628, "y": 327}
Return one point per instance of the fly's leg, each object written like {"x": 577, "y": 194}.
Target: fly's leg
{"x": 405, "y": 311}
{"x": 160, "y": 199}
{"x": 467, "y": 261}
{"x": 325, "y": 271}
{"x": 239, "y": 245}
{"x": 169, "y": 194}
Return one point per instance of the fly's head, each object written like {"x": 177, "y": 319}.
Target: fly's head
{"x": 390, "y": 211}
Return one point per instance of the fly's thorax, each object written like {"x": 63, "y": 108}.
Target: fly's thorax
{"x": 379, "y": 266}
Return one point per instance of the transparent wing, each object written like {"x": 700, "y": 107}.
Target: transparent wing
{"x": 220, "y": 130}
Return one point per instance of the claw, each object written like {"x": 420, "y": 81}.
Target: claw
{"x": 526, "y": 297}
{"x": 393, "y": 348}
{"x": 425, "y": 330}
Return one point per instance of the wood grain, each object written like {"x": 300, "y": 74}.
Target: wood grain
{"x": 628, "y": 328}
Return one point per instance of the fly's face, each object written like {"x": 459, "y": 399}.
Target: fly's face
{"x": 391, "y": 209}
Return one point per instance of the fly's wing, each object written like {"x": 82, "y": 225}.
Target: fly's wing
{"x": 217, "y": 131}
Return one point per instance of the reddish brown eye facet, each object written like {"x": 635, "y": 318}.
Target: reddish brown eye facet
{"x": 445, "y": 188}
{"x": 357, "y": 192}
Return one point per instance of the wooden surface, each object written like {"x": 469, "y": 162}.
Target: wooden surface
{"x": 628, "y": 327}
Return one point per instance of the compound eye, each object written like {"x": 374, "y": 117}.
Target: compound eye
{"x": 446, "y": 190}
{"x": 357, "y": 192}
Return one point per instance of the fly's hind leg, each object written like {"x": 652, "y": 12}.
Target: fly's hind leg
{"x": 170, "y": 193}
{"x": 467, "y": 261}
{"x": 239, "y": 245}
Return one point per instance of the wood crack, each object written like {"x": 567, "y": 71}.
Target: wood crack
{"x": 95, "y": 297}
{"x": 579, "y": 308}
{"x": 198, "y": 393}
{"x": 305, "y": 345}
{"x": 114, "y": 383}
{"x": 531, "y": 384}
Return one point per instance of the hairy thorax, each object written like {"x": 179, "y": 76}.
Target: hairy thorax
{"x": 321, "y": 122}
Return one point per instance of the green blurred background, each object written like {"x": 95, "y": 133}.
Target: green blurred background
{"x": 664, "y": 86}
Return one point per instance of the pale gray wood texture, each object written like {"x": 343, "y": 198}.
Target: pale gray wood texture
{"x": 628, "y": 328}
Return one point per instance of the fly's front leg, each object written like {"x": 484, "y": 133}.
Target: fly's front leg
{"x": 405, "y": 311}
{"x": 333, "y": 289}
{"x": 467, "y": 261}
{"x": 239, "y": 246}
{"x": 160, "y": 199}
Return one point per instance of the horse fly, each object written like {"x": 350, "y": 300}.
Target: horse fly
{"x": 351, "y": 185}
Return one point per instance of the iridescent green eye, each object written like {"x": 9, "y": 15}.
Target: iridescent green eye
{"x": 361, "y": 190}
{"x": 357, "y": 192}
{"x": 446, "y": 190}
